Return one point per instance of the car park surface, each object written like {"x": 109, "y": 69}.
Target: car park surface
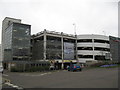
{"x": 88, "y": 78}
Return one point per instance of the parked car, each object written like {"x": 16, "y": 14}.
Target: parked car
{"x": 75, "y": 67}
{"x": 1, "y": 69}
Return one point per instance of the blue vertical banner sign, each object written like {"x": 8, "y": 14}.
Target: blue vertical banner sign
{"x": 68, "y": 51}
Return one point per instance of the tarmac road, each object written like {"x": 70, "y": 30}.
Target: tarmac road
{"x": 91, "y": 78}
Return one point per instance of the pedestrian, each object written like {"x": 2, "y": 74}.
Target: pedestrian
{"x": 82, "y": 65}
{"x": 67, "y": 66}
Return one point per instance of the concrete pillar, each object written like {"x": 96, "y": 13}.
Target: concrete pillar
{"x": 44, "y": 54}
{"x": 9, "y": 66}
{"x": 93, "y": 49}
{"x": 62, "y": 43}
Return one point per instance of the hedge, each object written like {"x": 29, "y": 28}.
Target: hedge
{"x": 30, "y": 69}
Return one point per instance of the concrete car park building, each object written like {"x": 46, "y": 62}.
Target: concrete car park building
{"x": 57, "y": 46}
{"x": 54, "y": 46}
{"x": 92, "y": 47}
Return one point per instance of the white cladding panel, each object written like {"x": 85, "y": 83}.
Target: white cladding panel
{"x": 93, "y": 44}
{"x": 101, "y": 45}
{"x": 87, "y": 52}
{"x": 84, "y": 44}
{"x": 85, "y": 59}
{"x": 92, "y": 36}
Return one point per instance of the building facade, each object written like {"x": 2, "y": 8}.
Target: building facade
{"x": 0, "y": 55}
{"x": 115, "y": 48}
{"x": 7, "y": 33}
{"x": 92, "y": 47}
{"x": 15, "y": 41}
{"x": 20, "y": 47}
{"x": 54, "y": 46}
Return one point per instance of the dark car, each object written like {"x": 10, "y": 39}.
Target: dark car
{"x": 74, "y": 67}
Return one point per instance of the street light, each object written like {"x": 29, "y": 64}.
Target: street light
{"x": 74, "y": 28}
{"x": 76, "y": 40}
{"x": 104, "y": 33}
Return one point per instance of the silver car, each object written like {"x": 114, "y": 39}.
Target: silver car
{"x": 52, "y": 67}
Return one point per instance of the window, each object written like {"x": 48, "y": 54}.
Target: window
{"x": 15, "y": 58}
{"x": 85, "y": 56}
{"x": 20, "y": 52}
{"x": 69, "y": 40}
{"x": 84, "y": 40}
{"x": 101, "y": 49}
{"x": 101, "y": 41}
{"x": 27, "y": 32}
{"x": 84, "y": 48}
{"x": 53, "y": 38}
{"x": 99, "y": 57}
{"x": 53, "y": 47}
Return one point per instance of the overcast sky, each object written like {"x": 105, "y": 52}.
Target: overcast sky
{"x": 90, "y": 16}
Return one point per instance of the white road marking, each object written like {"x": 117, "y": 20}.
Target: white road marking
{"x": 45, "y": 73}
{"x": 42, "y": 74}
{"x": 36, "y": 75}
{"x": 5, "y": 75}
{"x": 9, "y": 84}
{"x": 14, "y": 86}
{"x": 49, "y": 72}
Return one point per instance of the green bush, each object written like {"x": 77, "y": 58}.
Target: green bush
{"x": 40, "y": 68}
{"x": 46, "y": 68}
{"x": 16, "y": 69}
{"x": 30, "y": 69}
{"x": 102, "y": 63}
{"x": 13, "y": 70}
{"x": 97, "y": 64}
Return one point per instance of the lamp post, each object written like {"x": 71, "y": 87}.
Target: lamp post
{"x": 74, "y": 28}
{"x": 104, "y": 33}
{"x": 75, "y": 41}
